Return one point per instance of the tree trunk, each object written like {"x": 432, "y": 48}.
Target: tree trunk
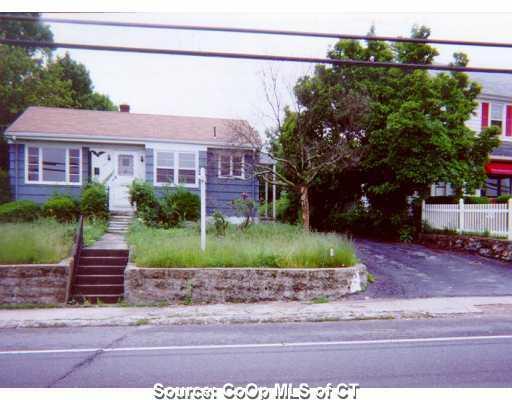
{"x": 304, "y": 203}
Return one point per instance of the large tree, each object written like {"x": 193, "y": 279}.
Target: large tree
{"x": 415, "y": 133}
{"x": 321, "y": 134}
{"x": 32, "y": 77}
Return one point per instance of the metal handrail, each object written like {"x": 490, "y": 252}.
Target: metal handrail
{"x": 77, "y": 249}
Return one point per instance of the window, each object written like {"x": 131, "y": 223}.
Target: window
{"x": 497, "y": 115}
{"x": 442, "y": 189}
{"x": 53, "y": 165}
{"x": 176, "y": 167}
{"x": 231, "y": 166}
{"x": 164, "y": 167}
{"x": 125, "y": 165}
{"x": 497, "y": 186}
{"x": 187, "y": 168}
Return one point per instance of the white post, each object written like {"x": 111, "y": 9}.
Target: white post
{"x": 202, "y": 184}
{"x": 274, "y": 192}
{"x": 509, "y": 220}
{"x": 461, "y": 215}
{"x": 423, "y": 216}
{"x": 266, "y": 196}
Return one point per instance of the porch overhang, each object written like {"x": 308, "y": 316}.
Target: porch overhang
{"x": 499, "y": 168}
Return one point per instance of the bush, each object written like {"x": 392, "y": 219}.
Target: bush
{"x": 282, "y": 208}
{"x": 142, "y": 195}
{"x": 220, "y": 223}
{"x": 19, "y": 211}
{"x": 175, "y": 207}
{"x": 62, "y": 208}
{"x": 5, "y": 187}
{"x": 476, "y": 200}
{"x": 184, "y": 203}
{"x": 94, "y": 201}
{"x": 503, "y": 198}
{"x": 442, "y": 200}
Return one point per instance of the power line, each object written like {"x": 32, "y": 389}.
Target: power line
{"x": 256, "y": 31}
{"x": 248, "y": 56}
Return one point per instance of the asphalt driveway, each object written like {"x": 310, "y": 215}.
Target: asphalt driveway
{"x": 410, "y": 271}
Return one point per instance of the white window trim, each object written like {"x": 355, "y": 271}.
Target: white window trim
{"x": 176, "y": 156}
{"x": 40, "y": 174}
{"x": 231, "y": 176}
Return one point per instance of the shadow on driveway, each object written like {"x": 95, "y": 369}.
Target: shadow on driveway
{"x": 410, "y": 271}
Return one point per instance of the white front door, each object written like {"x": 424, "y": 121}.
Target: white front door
{"x": 128, "y": 166}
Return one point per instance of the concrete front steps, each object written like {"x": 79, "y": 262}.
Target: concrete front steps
{"x": 99, "y": 277}
{"x": 119, "y": 221}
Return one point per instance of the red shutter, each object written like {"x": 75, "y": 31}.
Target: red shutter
{"x": 485, "y": 115}
{"x": 508, "y": 121}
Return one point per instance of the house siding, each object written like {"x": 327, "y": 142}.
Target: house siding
{"x": 39, "y": 193}
{"x": 220, "y": 192}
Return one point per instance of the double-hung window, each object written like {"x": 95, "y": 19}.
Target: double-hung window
{"x": 231, "y": 166}
{"x": 53, "y": 165}
{"x": 176, "y": 168}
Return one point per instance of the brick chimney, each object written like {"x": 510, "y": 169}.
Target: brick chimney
{"x": 124, "y": 107}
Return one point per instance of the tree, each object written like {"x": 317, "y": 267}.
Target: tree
{"x": 416, "y": 133}
{"x": 29, "y": 77}
{"x": 322, "y": 134}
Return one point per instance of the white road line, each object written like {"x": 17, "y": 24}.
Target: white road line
{"x": 260, "y": 345}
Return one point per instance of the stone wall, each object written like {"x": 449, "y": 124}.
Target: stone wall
{"x": 219, "y": 285}
{"x": 486, "y": 247}
{"x": 34, "y": 284}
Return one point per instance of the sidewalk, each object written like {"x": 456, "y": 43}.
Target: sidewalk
{"x": 254, "y": 313}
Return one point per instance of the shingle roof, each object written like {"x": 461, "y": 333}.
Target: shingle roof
{"x": 503, "y": 150}
{"x": 88, "y": 123}
{"x": 493, "y": 84}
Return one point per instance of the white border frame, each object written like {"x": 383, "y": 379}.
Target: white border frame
{"x": 176, "y": 153}
{"x": 40, "y": 181}
{"x": 231, "y": 176}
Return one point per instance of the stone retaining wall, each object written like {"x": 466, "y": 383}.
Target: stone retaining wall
{"x": 486, "y": 247}
{"x": 220, "y": 285}
{"x": 33, "y": 283}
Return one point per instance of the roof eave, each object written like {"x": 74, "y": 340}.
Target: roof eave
{"x": 115, "y": 139}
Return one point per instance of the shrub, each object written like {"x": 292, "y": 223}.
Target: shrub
{"x": 282, "y": 207}
{"x": 442, "y": 200}
{"x": 476, "y": 200}
{"x": 94, "y": 201}
{"x": 220, "y": 223}
{"x": 19, "y": 211}
{"x": 62, "y": 208}
{"x": 503, "y": 198}
{"x": 186, "y": 204}
{"x": 244, "y": 207}
{"x": 142, "y": 195}
{"x": 5, "y": 187}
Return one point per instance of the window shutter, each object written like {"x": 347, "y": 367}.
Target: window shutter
{"x": 508, "y": 121}
{"x": 485, "y": 115}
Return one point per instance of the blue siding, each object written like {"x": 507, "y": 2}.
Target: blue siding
{"x": 37, "y": 192}
{"x": 220, "y": 192}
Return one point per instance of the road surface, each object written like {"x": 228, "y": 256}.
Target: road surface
{"x": 393, "y": 353}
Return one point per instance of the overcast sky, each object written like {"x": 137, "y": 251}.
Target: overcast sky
{"x": 178, "y": 85}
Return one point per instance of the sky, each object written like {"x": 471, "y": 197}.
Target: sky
{"x": 179, "y": 85}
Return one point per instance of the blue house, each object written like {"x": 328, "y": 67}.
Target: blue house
{"x": 60, "y": 150}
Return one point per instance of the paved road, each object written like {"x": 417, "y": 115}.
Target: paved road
{"x": 412, "y": 271}
{"x": 450, "y": 352}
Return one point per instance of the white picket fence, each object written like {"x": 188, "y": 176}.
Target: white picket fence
{"x": 493, "y": 218}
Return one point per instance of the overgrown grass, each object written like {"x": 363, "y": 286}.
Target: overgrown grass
{"x": 262, "y": 245}
{"x": 42, "y": 241}
{"x": 94, "y": 229}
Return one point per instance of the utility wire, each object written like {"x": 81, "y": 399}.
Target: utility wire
{"x": 254, "y": 31}
{"x": 248, "y": 56}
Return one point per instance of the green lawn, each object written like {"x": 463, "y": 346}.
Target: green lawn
{"x": 262, "y": 245}
{"x": 42, "y": 241}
